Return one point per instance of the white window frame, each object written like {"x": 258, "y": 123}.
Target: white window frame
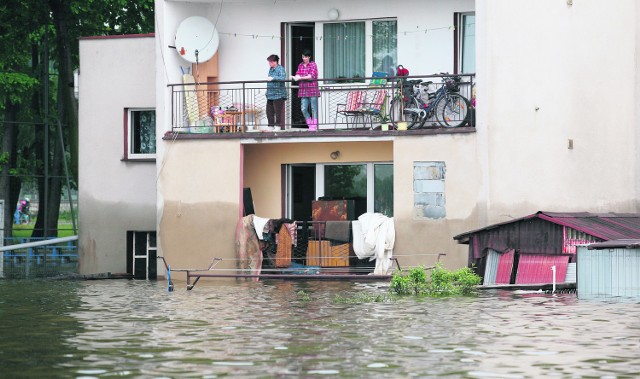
{"x": 128, "y": 130}
{"x": 460, "y": 31}
{"x": 319, "y": 171}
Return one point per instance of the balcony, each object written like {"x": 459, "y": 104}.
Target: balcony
{"x": 237, "y": 109}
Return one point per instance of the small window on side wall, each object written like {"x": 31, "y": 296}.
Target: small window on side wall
{"x": 140, "y": 132}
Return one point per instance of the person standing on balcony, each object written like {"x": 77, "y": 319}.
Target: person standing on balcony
{"x": 308, "y": 91}
{"x": 276, "y": 92}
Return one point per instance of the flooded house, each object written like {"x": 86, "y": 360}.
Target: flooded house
{"x": 174, "y": 127}
{"x": 524, "y": 250}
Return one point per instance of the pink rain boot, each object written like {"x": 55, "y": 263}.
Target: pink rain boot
{"x": 314, "y": 121}
{"x": 309, "y": 123}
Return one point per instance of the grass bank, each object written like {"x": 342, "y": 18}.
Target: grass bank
{"x": 65, "y": 227}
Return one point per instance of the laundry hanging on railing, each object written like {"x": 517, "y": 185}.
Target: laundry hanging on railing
{"x": 373, "y": 237}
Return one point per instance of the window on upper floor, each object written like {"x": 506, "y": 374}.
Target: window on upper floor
{"x": 140, "y": 132}
{"x": 466, "y": 43}
{"x": 348, "y": 53}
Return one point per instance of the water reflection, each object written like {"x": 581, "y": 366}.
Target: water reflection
{"x": 279, "y": 328}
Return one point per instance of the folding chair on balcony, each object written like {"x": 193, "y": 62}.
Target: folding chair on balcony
{"x": 351, "y": 108}
{"x": 370, "y": 110}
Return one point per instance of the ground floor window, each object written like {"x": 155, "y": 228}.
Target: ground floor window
{"x": 369, "y": 184}
{"x": 142, "y": 254}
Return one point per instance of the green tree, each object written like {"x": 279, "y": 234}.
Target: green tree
{"x": 18, "y": 89}
{"x": 38, "y": 54}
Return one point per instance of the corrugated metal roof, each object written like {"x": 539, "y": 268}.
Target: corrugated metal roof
{"x": 607, "y": 226}
{"x": 615, "y": 244}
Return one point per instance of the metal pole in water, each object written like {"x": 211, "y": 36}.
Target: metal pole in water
{"x": 553, "y": 268}
{"x": 169, "y": 284}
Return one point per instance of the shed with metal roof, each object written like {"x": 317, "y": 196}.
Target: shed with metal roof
{"x": 609, "y": 269}
{"x": 523, "y": 250}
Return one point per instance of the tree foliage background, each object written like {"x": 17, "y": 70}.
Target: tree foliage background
{"x": 38, "y": 55}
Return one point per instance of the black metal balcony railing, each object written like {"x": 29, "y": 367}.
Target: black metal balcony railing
{"x": 239, "y": 106}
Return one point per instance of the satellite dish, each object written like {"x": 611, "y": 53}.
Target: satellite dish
{"x": 197, "y": 39}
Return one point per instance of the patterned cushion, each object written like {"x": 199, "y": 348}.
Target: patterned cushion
{"x": 376, "y": 103}
{"x": 378, "y": 98}
{"x": 354, "y": 99}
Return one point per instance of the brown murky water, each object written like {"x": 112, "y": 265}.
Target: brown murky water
{"x": 136, "y": 329}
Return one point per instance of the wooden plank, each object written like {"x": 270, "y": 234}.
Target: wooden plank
{"x": 316, "y": 251}
{"x": 283, "y": 249}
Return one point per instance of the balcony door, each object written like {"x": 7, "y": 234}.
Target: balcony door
{"x": 299, "y": 37}
{"x": 369, "y": 184}
{"x": 301, "y": 187}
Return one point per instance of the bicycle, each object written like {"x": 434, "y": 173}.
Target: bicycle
{"x": 446, "y": 105}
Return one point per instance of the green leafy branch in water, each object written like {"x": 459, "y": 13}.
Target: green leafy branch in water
{"x": 443, "y": 282}
{"x": 363, "y": 298}
{"x": 304, "y": 296}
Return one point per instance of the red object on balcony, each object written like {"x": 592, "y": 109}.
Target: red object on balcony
{"x": 402, "y": 71}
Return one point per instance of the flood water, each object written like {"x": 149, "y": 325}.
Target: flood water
{"x": 137, "y": 329}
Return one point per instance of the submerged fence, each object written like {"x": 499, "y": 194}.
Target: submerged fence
{"x": 38, "y": 257}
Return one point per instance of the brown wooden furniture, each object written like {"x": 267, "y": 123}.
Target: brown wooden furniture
{"x": 283, "y": 249}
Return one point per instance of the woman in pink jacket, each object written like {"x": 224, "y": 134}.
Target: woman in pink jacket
{"x": 308, "y": 91}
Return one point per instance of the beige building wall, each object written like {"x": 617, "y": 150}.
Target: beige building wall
{"x": 419, "y": 240}
{"x": 557, "y": 114}
{"x": 200, "y": 189}
{"x": 114, "y": 196}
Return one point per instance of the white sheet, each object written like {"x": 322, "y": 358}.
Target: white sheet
{"x": 259, "y": 223}
{"x": 374, "y": 237}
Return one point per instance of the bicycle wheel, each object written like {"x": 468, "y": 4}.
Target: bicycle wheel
{"x": 411, "y": 112}
{"x": 453, "y": 110}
